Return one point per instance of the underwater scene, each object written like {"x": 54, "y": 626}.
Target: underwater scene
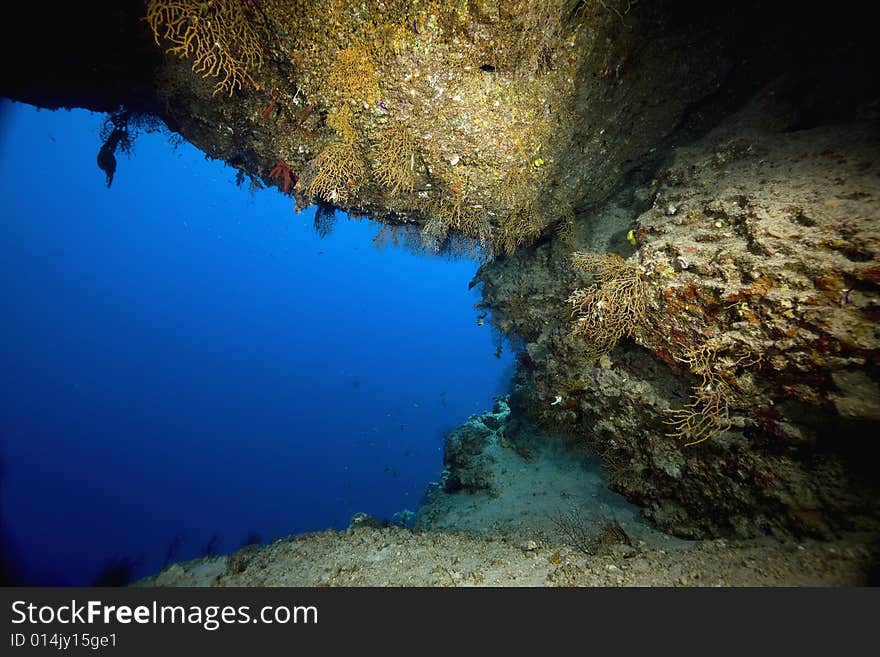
{"x": 440, "y": 293}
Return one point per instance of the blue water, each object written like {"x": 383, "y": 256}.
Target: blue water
{"x": 182, "y": 358}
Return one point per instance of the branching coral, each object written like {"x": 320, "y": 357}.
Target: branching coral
{"x": 396, "y": 163}
{"x": 613, "y": 306}
{"x": 340, "y": 119}
{"x": 450, "y": 211}
{"x": 522, "y": 218}
{"x": 284, "y": 174}
{"x": 220, "y": 36}
{"x": 353, "y": 75}
{"x": 616, "y": 305}
{"x": 445, "y": 209}
{"x": 521, "y": 225}
{"x": 709, "y": 412}
{"x": 339, "y": 169}
{"x": 536, "y": 28}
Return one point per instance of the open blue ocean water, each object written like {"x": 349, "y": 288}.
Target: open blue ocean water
{"x": 187, "y": 365}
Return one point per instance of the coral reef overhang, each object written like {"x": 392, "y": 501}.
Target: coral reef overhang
{"x": 729, "y": 154}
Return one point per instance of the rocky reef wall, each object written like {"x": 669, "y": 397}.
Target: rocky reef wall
{"x": 491, "y": 120}
{"x": 745, "y": 397}
{"x": 724, "y": 361}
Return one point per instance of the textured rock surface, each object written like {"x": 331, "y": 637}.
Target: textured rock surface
{"x": 467, "y": 452}
{"x": 397, "y": 557}
{"x": 493, "y": 120}
{"x": 531, "y": 484}
{"x": 488, "y": 119}
{"x": 759, "y": 251}
{"x": 735, "y": 147}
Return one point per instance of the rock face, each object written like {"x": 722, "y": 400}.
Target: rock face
{"x": 492, "y": 120}
{"x": 504, "y": 475}
{"x": 728, "y": 156}
{"x": 467, "y": 449}
{"x": 762, "y": 247}
{"x": 746, "y": 399}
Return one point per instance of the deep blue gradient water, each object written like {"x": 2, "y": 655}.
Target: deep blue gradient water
{"x": 180, "y": 357}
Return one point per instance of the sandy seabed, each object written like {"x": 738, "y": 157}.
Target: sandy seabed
{"x": 396, "y": 556}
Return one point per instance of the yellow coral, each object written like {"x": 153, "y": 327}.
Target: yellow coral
{"x": 353, "y": 75}
{"x": 396, "y": 163}
{"x": 219, "y": 35}
{"x": 340, "y": 120}
{"x": 521, "y": 225}
{"x": 339, "y": 170}
{"x": 521, "y": 221}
